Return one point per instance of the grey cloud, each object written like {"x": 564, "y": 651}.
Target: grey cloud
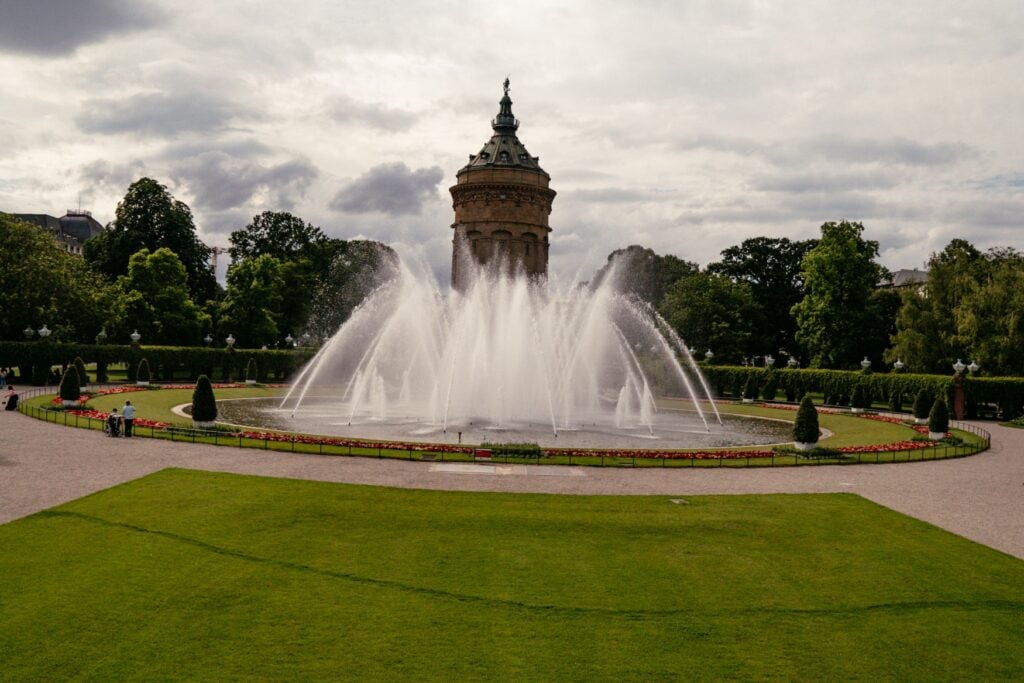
{"x": 219, "y": 181}
{"x": 55, "y": 28}
{"x": 244, "y": 148}
{"x": 102, "y": 175}
{"x": 609, "y": 195}
{"x": 158, "y": 114}
{"x": 799, "y": 183}
{"x": 836, "y": 148}
{"x": 346, "y": 109}
{"x": 393, "y": 188}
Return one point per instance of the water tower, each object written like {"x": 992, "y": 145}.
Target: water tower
{"x": 502, "y": 202}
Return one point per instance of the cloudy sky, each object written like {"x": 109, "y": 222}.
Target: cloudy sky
{"x": 682, "y": 126}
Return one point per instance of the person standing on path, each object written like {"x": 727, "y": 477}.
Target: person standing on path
{"x": 128, "y": 415}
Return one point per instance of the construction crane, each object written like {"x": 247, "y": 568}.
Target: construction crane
{"x": 214, "y": 253}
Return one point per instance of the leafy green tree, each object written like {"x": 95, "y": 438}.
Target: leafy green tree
{"x": 990, "y": 319}
{"x": 156, "y": 300}
{"x": 805, "y": 427}
{"x": 640, "y": 272}
{"x": 358, "y": 268}
{"x": 41, "y": 283}
{"x": 773, "y": 269}
{"x": 251, "y": 306}
{"x": 278, "y": 234}
{"x": 149, "y": 217}
{"x": 840, "y": 274}
{"x": 712, "y": 312}
{"x": 204, "y": 403}
{"x": 70, "y": 388}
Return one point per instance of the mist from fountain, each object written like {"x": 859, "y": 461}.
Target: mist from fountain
{"x": 508, "y": 351}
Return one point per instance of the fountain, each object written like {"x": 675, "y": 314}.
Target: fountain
{"x": 506, "y": 354}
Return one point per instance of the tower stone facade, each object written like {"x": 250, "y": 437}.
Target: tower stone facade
{"x": 502, "y": 202}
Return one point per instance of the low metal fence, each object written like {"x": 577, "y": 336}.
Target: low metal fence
{"x": 438, "y": 453}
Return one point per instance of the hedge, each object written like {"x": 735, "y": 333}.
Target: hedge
{"x": 1004, "y": 394}
{"x": 34, "y": 360}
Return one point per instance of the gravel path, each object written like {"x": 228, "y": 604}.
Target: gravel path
{"x": 980, "y": 497}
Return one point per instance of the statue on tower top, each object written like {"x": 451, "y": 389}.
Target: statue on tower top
{"x": 506, "y": 85}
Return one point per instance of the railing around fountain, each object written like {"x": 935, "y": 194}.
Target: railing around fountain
{"x": 278, "y": 441}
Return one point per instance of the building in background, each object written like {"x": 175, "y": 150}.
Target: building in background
{"x": 73, "y": 229}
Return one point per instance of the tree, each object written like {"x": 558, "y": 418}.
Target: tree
{"x": 156, "y": 300}
{"x": 712, "y": 312}
{"x": 938, "y": 417}
{"x": 278, "y": 234}
{"x": 149, "y": 217}
{"x": 358, "y": 268}
{"x": 252, "y": 303}
{"x": 772, "y": 268}
{"x": 840, "y": 274}
{"x": 921, "y": 404}
{"x": 70, "y": 388}
{"x": 41, "y": 283}
{"x": 640, "y": 272}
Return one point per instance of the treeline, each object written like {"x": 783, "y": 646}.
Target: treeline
{"x": 826, "y": 303}
{"x": 149, "y": 272}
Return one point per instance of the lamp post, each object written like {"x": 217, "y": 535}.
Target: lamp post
{"x": 44, "y": 331}
{"x": 865, "y": 364}
{"x": 769, "y": 361}
{"x": 101, "y": 337}
{"x": 959, "y": 367}
{"x": 898, "y": 365}
{"x": 793, "y": 363}
{"x": 135, "y": 337}
{"x": 28, "y": 332}
{"x": 230, "y": 341}
{"x": 207, "y": 339}
{"x": 289, "y": 340}
{"x": 973, "y": 367}
{"x": 708, "y": 355}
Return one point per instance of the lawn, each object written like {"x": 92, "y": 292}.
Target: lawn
{"x": 194, "y": 575}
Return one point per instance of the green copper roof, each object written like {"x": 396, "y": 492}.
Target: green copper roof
{"x": 504, "y": 150}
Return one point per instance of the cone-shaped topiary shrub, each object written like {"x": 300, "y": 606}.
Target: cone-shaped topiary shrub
{"x": 896, "y": 401}
{"x": 750, "y": 388}
{"x": 142, "y": 374}
{"x": 70, "y": 389}
{"x": 250, "y": 371}
{"x": 860, "y": 398}
{"x": 83, "y": 376}
{"x": 771, "y": 386}
{"x": 938, "y": 419}
{"x": 204, "y": 405}
{"x": 922, "y": 404}
{"x": 805, "y": 428}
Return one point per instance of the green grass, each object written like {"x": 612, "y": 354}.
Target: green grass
{"x": 193, "y": 575}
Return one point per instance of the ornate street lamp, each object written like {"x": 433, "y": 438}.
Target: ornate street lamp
{"x": 708, "y": 355}
{"x": 865, "y": 364}
{"x": 973, "y": 367}
{"x": 44, "y": 331}
{"x": 102, "y": 336}
{"x": 769, "y": 361}
{"x": 207, "y": 339}
{"x": 793, "y": 362}
{"x": 289, "y": 340}
{"x": 135, "y": 337}
{"x": 958, "y": 366}
{"x": 230, "y": 341}
{"x": 899, "y": 365}
{"x": 28, "y": 332}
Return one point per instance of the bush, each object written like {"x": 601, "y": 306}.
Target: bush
{"x": 896, "y": 401}
{"x": 250, "y": 370}
{"x": 922, "y": 404}
{"x": 805, "y": 428}
{"x": 860, "y": 398}
{"x": 143, "y": 374}
{"x": 771, "y": 386}
{"x": 83, "y": 376}
{"x": 204, "y": 404}
{"x": 70, "y": 389}
{"x": 514, "y": 450}
{"x": 750, "y": 388}
{"x": 938, "y": 418}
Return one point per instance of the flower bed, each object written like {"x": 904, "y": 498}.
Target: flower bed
{"x": 100, "y": 415}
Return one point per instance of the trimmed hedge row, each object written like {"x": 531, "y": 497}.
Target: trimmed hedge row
{"x": 982, "y": 395}
{"x": 34, "y": 360}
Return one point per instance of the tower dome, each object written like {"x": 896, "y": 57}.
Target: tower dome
{"x": 502, "y": 202}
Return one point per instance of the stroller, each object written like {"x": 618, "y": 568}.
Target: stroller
{"x": 112, "y": 425}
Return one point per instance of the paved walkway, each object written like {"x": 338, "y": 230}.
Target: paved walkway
{"x": 980, "y": 497}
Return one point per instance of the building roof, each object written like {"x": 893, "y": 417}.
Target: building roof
{"x": 504, "y": 150}
{"x": 81, "y": 224}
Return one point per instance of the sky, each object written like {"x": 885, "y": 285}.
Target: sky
{"x": 682, "y": 126}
